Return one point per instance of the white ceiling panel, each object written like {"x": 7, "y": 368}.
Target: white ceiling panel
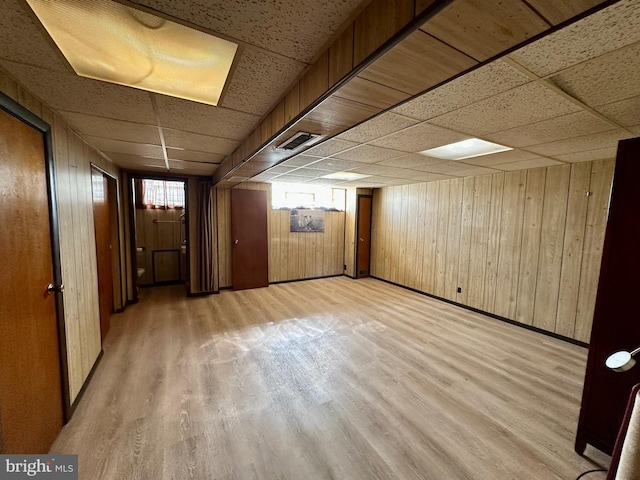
{"x": 484, "y": 82}
{"x": 580, "y": 144}
{"x": 202, "y": 143}
{"x": 130, "y": 148}
{"x": 191, "y": 168}
{"x": 377, "y": 127}
{"x": 606, "y": 79}
{"x": 510, "y": 156}
{"x": 291, "y": 179}
{"x": 93, "y": 126}
{"x": 524, "y": 164}
{"x": 310, "y": 173}
{"x": 609, "y": 29}
{"x": 590, "y": 155}
{"x": 625, "y": 112}
{"x": 553, "y": 129}
{"x": 325, "y": 181}
{"x": 369, "y": 154}
{"x": 385, "y": 171}
{"x": 130, "y": 161}
{"x": 635, "y": 130}
{"x": 419, "y": 137}
{"x": 330, "y": 147}
{"x": 198, "y": 118}
{"x": 299, "y": 161}
{"x": 189, "y": 155}
{"x": 459, "y": 169}
{"x": 335, "y": 165}
{"x": 411, "y": 161}
{"x": 520, "y": 106}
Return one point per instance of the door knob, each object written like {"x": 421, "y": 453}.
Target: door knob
{"x": 235, "y": 242}
{"x": 51, "y": 288}
{"x": 362, "y": 239}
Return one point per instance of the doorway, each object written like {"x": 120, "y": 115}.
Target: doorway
{"x": 32, "y": 348}
{"x": 363, "y": 236}
{"x": 160, "y": 232}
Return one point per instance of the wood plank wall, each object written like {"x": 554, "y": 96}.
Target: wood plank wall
{"x": 524, "y": 245}
{"x": 73, "y": 159}
{"x": 292, "y": 256}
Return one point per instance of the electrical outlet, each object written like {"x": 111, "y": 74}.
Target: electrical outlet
{"x": 459, "y": 289}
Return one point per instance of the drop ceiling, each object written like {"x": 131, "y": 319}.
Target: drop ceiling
{"x": 567, "y": 97}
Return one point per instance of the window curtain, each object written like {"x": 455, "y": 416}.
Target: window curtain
{"x": 162, "y": 194}
{"x": 205, "y": 233}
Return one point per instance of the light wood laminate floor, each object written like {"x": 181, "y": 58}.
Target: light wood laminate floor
{"x": 331, "y": 378}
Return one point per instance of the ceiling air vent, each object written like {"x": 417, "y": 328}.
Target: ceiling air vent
{"x": 300, "y": 139}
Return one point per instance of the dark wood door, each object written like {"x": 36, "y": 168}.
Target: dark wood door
{"x": 363, "y": 236}
{"x": 250, "y": 258}
{"x": 102, "y": 224}
{"x": 615, "y": 320}
{"x": 31, "y": 412}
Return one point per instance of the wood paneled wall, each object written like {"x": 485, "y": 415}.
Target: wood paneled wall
{"x": 525, "y": 245}
{"x": 292, "y": 256}
{"x": 73, "y": 159}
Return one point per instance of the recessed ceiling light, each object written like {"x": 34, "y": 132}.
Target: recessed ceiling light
{"x": 472, "y": 147}
{"x": 108, "y": 41}
{"x": 345, "y": 176}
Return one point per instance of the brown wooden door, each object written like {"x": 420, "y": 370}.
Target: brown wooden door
{"x": 31, "y": 412}
{"x": 250, "y": 258}
{"x": 363, "y": 238}
{"x": 102, "y": 224}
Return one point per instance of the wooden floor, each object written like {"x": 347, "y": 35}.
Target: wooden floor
{"x": 331, "y": 378}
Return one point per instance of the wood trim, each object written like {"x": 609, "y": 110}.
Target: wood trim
{"x": 24, "y": 115}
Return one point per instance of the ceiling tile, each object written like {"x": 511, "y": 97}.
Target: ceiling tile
{"x": 606, "y": 79}
{"x": 330, "y": 147}
{"x": 129, "y": 161}
{"x": 525, "y": 164}
{"x": 202, "y": 143}
{"x": 609, "y": 29}
{"x": 482, "y": 29}
{"x": 580, "y": 144}
{"x": 368, "y": 154}
{"x": 484, "y": 82}
{"x": 192, "y": 168}
{"x": 310, "y": 173}
{"x": 386, "y": 171}
{"x": 66, "y": 91}
{"x": 509, "y": 156}
{"x": 290, "y": 179}
{"x": 199, "y": 118}
{"x": 130, "y": 148}
{"x": 412, "y": 161}
{"x": 432, "y": 177}
{"x": 262, "y": 177}
{"x": 419, "y": 137}
{"x": 299, "y": 161}
{"x": 325, "y": 181}
{"x": 591, "y": 155}
{"x": 625, "y": 112}
{"x": 281, "y": 169}
{"x": 336, "y": 165}
{"x": 294, "y": 29}
{"x": 459, "y": 169}
{"x": 377, "y": 127}
{"x": 259, "y": 80}
{"x": 180, "y": 154}
{"x": 90, "y": 125}
{"x": 417, "y": 63}
{"x": 553, "y": 129}
{"x": 635, "y": 130}
{"x": 520, "y": 106}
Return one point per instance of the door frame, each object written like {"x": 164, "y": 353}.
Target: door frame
{"x": 136, "y": 175}
{"x": 356, "y": 273}
{"x": 21, "y": 113}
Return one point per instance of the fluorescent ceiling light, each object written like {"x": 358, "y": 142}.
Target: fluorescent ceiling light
{"x": 108, "y": 41}
{"x": 472, "y": 147}
{"x": 345, "y": 176}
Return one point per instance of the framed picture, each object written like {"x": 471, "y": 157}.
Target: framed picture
{"x": 303, "y": 220}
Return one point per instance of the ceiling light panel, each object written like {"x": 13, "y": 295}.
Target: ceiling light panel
{"x": 108, "y": 41}
{"x": 471, "y": 147}
{"x": 345, "y": 176}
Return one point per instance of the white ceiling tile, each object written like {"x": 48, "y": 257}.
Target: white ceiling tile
{"x": 330, "y": 147}
{"x": 580, "y": 144}
{"x": 484, "y": 82}
{"x": 180, "y": 154}
{"x": 191, "y": 168}
{"x": 609, "y": 29}
{"x": 553, "y": 129}
{"x": 385, "y": 171}
{"x": 606, "y": 79}
{"x": 369, "y": 154}
{"x": 206, "y": 119}
{"x": 509, "y": 156}
{"x": 90, "y": 125}
{"x": 66, "y": 91}
{"x": 625, "y": 112}
{"x": 280, "y": 169}
{"x": 126, "y": 161}
{"x": 590, "y": 155}
{"x": 459, "y": 169}
{"x": 377, "y": 127}
{"x": 412, "y": 160}
{"x": 635, "y": 129}
{"x": 525, "y": 164}
{"x": 130, "y": 148}
{"x": 325, "y": 181}
{"x": 202, "y": 143}
{"x": 258, "y": 81}
{"x": 520, "y": 106}
{"x": 299, "y": 161}
{"x": 419, "y": 137}
{"x": 291, "y": 179}
{"x": 310, "y": 173}
{"x": 335, "y": 165}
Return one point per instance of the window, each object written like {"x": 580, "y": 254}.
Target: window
{"x": 292, "y": 195}
{"x": 162, "y": 194}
